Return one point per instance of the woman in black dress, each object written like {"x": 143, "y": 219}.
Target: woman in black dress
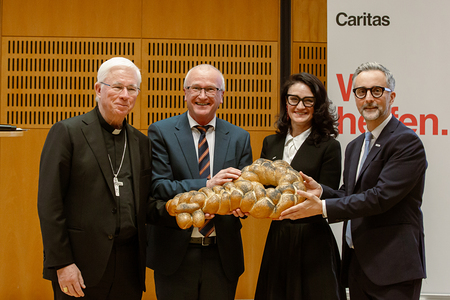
{"x": 301, "y": 257}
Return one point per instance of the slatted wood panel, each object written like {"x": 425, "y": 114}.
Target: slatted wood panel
{"x": 310, "y": 58}
{"x": 45, "y": 80}
{"x": 251, "y": 78}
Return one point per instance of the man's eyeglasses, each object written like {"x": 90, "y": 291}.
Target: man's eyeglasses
{"x": 376, "y": 91}
{"x": 295, "y": 100}
{"x": 118, "y": 88}
{"x": 210, "y": 91}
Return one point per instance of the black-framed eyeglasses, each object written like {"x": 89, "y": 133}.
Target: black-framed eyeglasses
{"x": 294, "y": 100}
{"x": 118, "y": 88}
{"x": 209, "y": 90}
{"x": 376, "y": 91}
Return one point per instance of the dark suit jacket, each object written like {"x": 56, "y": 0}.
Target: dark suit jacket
{"x": 75, "y": 200}
{"x": 327, "y": 155}
{"x": 175, "y": 170}
{"x": 384, "y": 205}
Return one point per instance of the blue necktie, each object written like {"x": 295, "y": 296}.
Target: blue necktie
{"x": 204, "y": 171}
{"x": 367, "y": 139}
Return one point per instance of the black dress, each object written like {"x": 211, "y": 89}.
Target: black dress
{"x": 301, "y": 258}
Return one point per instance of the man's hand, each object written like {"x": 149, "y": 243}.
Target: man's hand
{"x": 225, "y": 175}
{"x": 311, "y": 185}
{"x": 70, "y": 281}
{"x": 312, "y": 206}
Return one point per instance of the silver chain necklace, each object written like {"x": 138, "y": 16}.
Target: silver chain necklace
{"x": 116, "y": 181}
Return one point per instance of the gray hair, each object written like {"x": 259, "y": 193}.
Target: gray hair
{"x": 205, "y": 66}
{"x": 374, "y": 66}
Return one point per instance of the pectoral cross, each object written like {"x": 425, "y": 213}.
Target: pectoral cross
{"x": 117, "y": 183}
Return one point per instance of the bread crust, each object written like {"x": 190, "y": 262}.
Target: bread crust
{"x": 264, "y": 190}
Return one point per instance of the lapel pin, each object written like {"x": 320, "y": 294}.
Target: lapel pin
{"x": 377, "y": 145}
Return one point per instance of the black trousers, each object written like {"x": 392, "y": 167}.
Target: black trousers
{"x": 200, "y": 277}
{"x": 362, "y": 288}
{"x": 121, "y": 278}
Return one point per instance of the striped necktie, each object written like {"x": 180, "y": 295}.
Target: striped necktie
{"x": 204, "y": 170}
{"x": 203, "y": 153}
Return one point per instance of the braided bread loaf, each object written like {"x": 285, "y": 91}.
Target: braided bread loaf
{"x": 248, "y": 193}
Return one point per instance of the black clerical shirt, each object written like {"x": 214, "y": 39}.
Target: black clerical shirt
{"x": 125, "y": 208}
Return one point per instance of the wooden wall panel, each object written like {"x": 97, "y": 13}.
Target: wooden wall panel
{"x": 251, "y": 24}
{"x": 21, "y": 252}
{"x": 310, "y": 58}
{"x": 309, "y": 21}
{"x": 45, "y": 80}
{"x": 251, "y": 79}
{"x": 72, "y": 18}
{"x": 247, "y": 20}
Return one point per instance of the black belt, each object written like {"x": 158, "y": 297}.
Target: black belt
{"x": 204, "y": 241}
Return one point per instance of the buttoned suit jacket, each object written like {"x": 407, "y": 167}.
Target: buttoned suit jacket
{"x": 175, "y": 170}
{"x": 384, "y": 204}
{"x": 76, "y": 203}
{"x": 327, "y": 153}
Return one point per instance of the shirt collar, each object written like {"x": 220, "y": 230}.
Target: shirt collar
{"x": 299, "y": 139}
{"x": 193, "y": 123}
{"x": 107, "y": 126}
{"x": 377, "y": 131}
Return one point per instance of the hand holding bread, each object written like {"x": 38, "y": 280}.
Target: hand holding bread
{"x": 248, "y": 192}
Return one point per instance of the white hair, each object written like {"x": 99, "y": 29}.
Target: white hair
{"x": 117, "y": 62}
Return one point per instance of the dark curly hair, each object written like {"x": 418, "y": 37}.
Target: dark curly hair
{"x": 325, "y": 119}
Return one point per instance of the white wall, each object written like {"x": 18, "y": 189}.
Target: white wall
{"x": 411, "y": 39}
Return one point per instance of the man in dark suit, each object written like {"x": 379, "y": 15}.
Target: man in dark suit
{"x": 94, "y": 187}
{"x": 186, "y": 264}
{"x": 383, "y": 239}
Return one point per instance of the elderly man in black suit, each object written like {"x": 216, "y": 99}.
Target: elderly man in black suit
{"x": 380, "y": 200}
{"x": 94, "y": 187}
{"x": 187, "y": 264}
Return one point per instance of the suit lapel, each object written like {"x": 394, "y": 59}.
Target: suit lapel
{"x": 305, "y": 151}
{"x": 221, "y": 146}
{"x": 183, "y": 133}
{"x": 381, "y": 140}
{"x": 277, "y": 148}
{"x": 93, "y": 132}
{"x": 354, "y": 160}
{"x": 133, "y": 143}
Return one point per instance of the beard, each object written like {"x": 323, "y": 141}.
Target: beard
{"x": 370, "y": 115}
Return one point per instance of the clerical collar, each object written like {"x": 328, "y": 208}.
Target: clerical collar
{"x": 107, "y": 126}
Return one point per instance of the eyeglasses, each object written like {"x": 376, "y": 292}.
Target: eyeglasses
{"x": 295, "y": 100}
{"x": 376, "y": 91}
{"x": 210, "y": 91}
{"x": 118, "y": 88}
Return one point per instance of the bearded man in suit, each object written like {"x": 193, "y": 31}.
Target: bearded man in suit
{"x": 380, "y": 200}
